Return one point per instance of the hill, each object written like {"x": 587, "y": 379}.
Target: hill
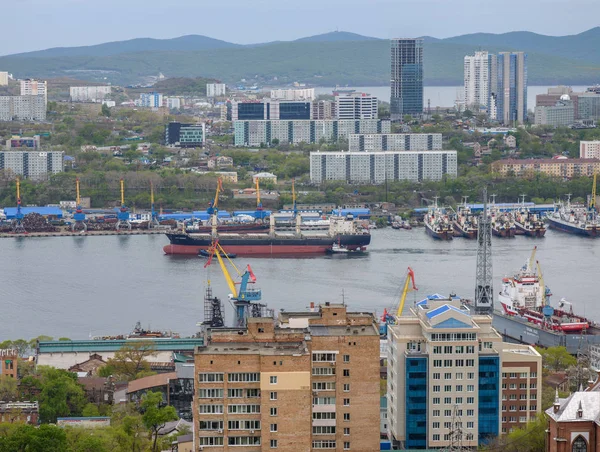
{"x": 327, "y": 59}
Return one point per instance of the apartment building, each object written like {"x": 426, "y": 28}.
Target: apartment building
{"x": 185, "y": 135}
{"x": 270, "y": 109}
{"x": 23, "y": 108}
{"x": 512, "y": 88}
{"x": 589, "y": 149}
{"x": 324, "y": 109}
{"x": 395, "y": 142}
{"x": 379, "y": 167}
{"x": 9, "y": 362}
{"x": 309, "y": 381}
{"x": 255, "y": 133}
{"x": 562, "y": 113}
{"x": 446, "y": 372}
{"x": 30, "y": 87}
{"x": 215, "y": 89}
{"x": 3, "y": 78}
{"x": 293, "y": 94}
{"x": 480, "y": 80}
{"x": 152, "y": 100}
{"x": 406, "y": 81}
{"x": 34, "y": 165}
{"x": 89, "y": 93}
{"x": 356, "y": 106}
{"x": 559, "y": 167}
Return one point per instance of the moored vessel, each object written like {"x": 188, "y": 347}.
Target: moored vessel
{"x": 575, "y": 218}
{"x": 438, "y": 224}
{"x": 465, "y": 223}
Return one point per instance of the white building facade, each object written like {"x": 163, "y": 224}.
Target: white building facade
{"x": 293, "y": 94}
{"x": 255, "y": 133}
{"x": 35, "y": 165}
{"x": 151, "y": 100}
{"x": 379, "y": 167}
{"x": 22, "y": 108}
{"x": 480, "y": 80}
{"x": 3, "y": 78}
{"x": 356, "y": 106}
{"x": 89, "y": 93}
{"x": 589, "y": 149}
{"x": 215, "y": 89}
{"x": 395, "y": 142}
{"x": 31, "y": 87}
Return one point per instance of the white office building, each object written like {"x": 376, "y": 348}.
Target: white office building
{"x": 356, "y": 106}
{"x": 3, "y": 78}
{"x": 481, "y": 80}
{"x": 89, "y": 93}
{"x": 35, "y": 165}
{"x": 257, "y": 132}
{"x": 22, "y": 108}
{"x": 293, "y": 94}
{"x": 215, "y": 89}
{"x": 379, "y": 167}
{"x": 395, "y": 142}
{"x": 31, "y": 87}
{"x": 560, "y": 114}
{"x": 152, "y": 100}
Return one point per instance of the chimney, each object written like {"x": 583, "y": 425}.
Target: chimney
{"x": 556, "y": 402}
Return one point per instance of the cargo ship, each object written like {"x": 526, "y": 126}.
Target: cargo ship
{"x": 343, "y": 231}
{"x": 574, "y": 219}
{"x": 525, "y": 315}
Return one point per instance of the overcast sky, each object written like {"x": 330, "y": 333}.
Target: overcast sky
{"x": 40, "y": 24}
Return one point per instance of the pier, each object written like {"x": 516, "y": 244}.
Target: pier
{"x": 68, "y": 233}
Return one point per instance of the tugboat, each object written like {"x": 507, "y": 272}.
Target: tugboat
{"x": 438, "y": 224}
{"x": 465, "y": 223}
{"x": 526, "y": 315}
{"x": 576, "y": 219}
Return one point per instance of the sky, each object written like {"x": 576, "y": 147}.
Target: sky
{"x": 68, "y": 23}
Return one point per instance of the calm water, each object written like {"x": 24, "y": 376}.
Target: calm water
{"x": 77, "y": 286}
{"x": 441, "y": 96}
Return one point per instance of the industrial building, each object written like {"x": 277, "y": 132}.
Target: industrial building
{"x": 48, "y": 212}
{"x": 255, "y": 133}
{"x": 451, "y": 379}
{"x": 185, "y": 135}
{"x": 89, "y": 93}
{"x": 34, "y": 165}
{"x": 395, "y": 142}
{"x": 309, "y": 381}
{"x": 379, "y": 167}
{"x": 356, "y": 106}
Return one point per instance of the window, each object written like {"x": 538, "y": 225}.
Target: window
{"x": 523, "y": 374}
{"x": 470, "y": 362}
{"x": 243, "y": 377}
{"x": 459, "y": 363}
{"x": 533, "y": 396}
{"x": 210, "y": 393}
{"x": 513, "y": 397}
{"x": 459, "y": 349}
{"x": 522, "y": 407}
{"x": 243, "y": 409}
{"x": 437, "y": 363}
{"x": 210, "y": 440}
{"x": 448, "y": 388}
{"x": 459, "y": 388}
{"x": 273, "y": 411}
{"x": 210, "y": 409}
{"x": 273, "y": 379}
{"x": 323, "y": 430}
{"x": 320, "y": 415}
{"x": 470, "y": 388}
{"x": 447, "y": 363}
{"x": 211, "y": 425}
{"x": 470, "y": 424}
{"x": 346, "y": 445}
{"x": 323, "y": 357}
{"x": 470, "y": 412}
{"x": 447, "y": 424}
{"x": 532, "y": 385}
{"x": 436, "y": 425}
{"x": 447, "y": 400}
{"x": 522, "y": 396}
{"x": 324, "y": 444}
{"x": 346, "y": 431}
{"x": 513, "y": 386}
{"x": 346, "y": 372}
{"x": 533, "y": 375}
{"x": 522, "y": 385}
{"x": 436, "y": 413}
{"x": 252, "y": 393}
{"x": 273, "y": 428}
{"x": 346, "y": 358}
{"x": 273, "y": 443}
{"x": 459, "y": 400}
{"x": 470, "y": 376}
{"x": 436, "y": 376}
{"x": 243, "y": 440}
{"x": 210, "y": 378}
{"x": 346, "y": 387}
{"x": 436, "y": 400}
{"x": 447, "y": 413}
{"x": 579, "y": 445}
{"x": 533, "y": 407}
{"x": 437, "y": 349}
{"x": 243, "y": 425}
{"x": 273, "y": 395}
{"x": 513, "y": 408}
{"x": 447, "y": 349}
{"x": 346, "y": 416}
{"x": 487, "y": 345}
{"x": 346, "y": 402}
{"x": 436, "y": 388}
{"x": 512, "y": 375}
{"x": 323, "y": 371}
{"x": 323, "y": 400}
{"x": 436, "y": 437}
{"x": 470, "y": 349}
{"x": 235, "y": 393}
{"x": 470, "y": 399}
{"x": 459, "y": 375}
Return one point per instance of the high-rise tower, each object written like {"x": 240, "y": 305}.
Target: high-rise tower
{"x": 512, "y": 87}
{"x": 484, "y": 290}
{"x": 406, "y": 77}
{"x": 481, "y": 80}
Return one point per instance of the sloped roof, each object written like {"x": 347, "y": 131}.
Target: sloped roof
{"x": 590, "y": 405}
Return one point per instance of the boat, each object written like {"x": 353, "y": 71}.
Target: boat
{"x": 465, "y": 222}
{"x": 141, "y": 333}
{"x": 206, "y": 253}
{"x": 574, "y": 218}
{"x": 438, "y": 224}
{"x": 525, "y": 314}
{"x": 502, "y": 224}
{"x": 342, "y": 230}
{"x": 338, "y": 249}
{"x": 529, "y": 224}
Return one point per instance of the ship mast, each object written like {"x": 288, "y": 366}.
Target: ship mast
{"x": 484, "y": 302}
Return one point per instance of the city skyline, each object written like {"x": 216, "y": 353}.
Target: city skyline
{"x": 268, "y": 20}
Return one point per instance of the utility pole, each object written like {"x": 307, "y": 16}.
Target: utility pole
{"x": 484, "y": 290}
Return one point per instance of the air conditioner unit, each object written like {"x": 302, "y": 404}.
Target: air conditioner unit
{"x": 251, "y": 431}
{"x": 220, "y": 430}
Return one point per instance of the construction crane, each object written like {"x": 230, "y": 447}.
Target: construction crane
{"x": 547, "y": 310}
{"x": 123, "y": 214}
{"x": 295, "y": 209}
{"x": 391, "y": 319}
{"x": 18, "y": 222}
{"x": 153, "y": 215}
{"x": 78, "y": 216}
{"x": 213, "y": 206}
{"x": 245, "y": 300}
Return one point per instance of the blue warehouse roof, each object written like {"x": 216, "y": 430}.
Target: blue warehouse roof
{"x": 110, "y": 345}
{"x": 11, "y": 212}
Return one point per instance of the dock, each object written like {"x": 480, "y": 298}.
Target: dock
{"x": 11, "y": 235}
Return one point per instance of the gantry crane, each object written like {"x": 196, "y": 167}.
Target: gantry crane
{"x": 123, "y": 214}
{"x": 78, "y": 216}
{"x": 18, "y": 222}
{"x": 245, "y": 300}
{"x": 153, "y": 215}
{"x": 389, "y": 318}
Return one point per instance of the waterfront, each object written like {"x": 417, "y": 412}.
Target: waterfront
{"x": 77, "y": 286}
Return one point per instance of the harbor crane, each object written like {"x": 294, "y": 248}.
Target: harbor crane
{"x": 18, "y": 227}
{"x": 153, "y": 215}
{"x": 213, "y": 206}
{"x": 246, "y": 301}
{"x": 391, "y": 318}
{"x": 123, "y": 214}
{"x": 259, "y": 214}
{"x": 294, "y": 207}
{"x": 78, "y": 216}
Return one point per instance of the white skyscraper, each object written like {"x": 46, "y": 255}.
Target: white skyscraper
{"x": 481, "y": 81}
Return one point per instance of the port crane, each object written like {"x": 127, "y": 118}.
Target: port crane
{"x": 390, "y": 319}
{"x": 246, "y": 301}
{"x": 78, "y": 216}
{"x": 123, "y": 214}
{"x": 153, "y": 215}
{"x": 259, "y": 214}
{"x": 18, "y": 222}
{"x": 294, "y": 208}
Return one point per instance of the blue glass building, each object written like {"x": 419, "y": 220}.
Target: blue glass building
{"x": 512, "y": 88}
{"x": 406, "y": 78}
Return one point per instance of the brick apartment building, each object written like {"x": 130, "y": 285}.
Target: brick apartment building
{"x": 307, "y": 382}
{"x": 9, "y": 363}
{"x": 558, "y": 167}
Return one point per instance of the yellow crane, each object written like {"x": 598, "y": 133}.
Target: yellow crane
{"x": 18, "y": 223}
{"x": 410, "y": 277}
{"x": 77, "y": 198}
{"x": 530, "y": 265}
{"x": 593, "y": 198}
{"x": 541, "y": 279}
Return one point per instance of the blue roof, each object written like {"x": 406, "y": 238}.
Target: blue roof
{"x": 115, "y": 344}
{"x": 11, "y": 212}
{"x": 435, "y": 296}
{"x": 197, "y": 215}
{"x": 351, "y": 212}
{"x": 442, "y": 309}
{"x": 452, "y": 323}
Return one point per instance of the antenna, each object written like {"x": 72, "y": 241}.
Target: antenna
{"x": 484, "y": 290}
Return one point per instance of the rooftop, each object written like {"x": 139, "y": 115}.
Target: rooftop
{"x": 112, "y": 345}
{"x": 544, "y": 161}
{"x": 255, "y": 348}
{"x": 588, "y": 402}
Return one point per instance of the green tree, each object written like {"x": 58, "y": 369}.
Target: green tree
{"x": 155, "y": 416}
{"x": 60, "y": 394}
{"x": 8, "y": 388}
{"x": 90, "y": 410}
{"x": 131, "y": 360}
{"x": 556, "y": 358}
{"x": 105, "y": 111}
{"x": 26, "y": 438}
